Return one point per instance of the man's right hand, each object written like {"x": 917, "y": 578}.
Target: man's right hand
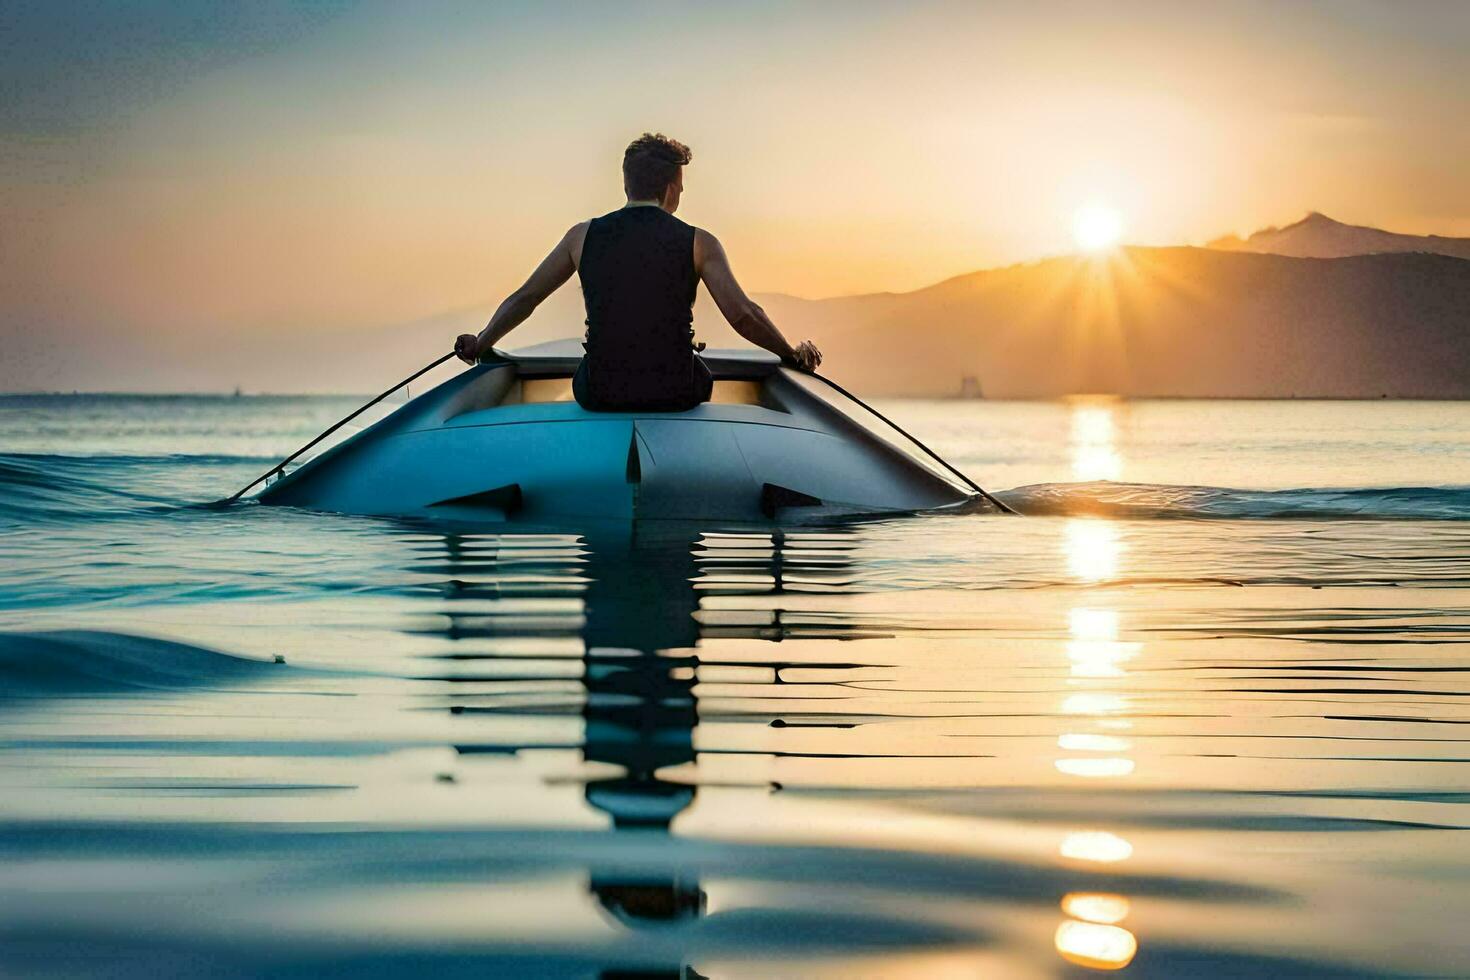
{"x": 805, "y": 356}
{"x": 467, "y": 348}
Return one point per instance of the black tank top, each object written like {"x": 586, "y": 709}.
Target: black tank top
{"x": 638, "y": 280}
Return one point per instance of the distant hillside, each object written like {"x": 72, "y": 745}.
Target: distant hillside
{"x": 1146, "y": 322}
{"x": 1319, "y": 237}
{"x": 1188, "y": 322}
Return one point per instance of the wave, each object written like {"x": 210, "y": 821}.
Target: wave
{"x": 1143, "y": 500}
{"x": 39, "y": 486}
{"x": 102, "y": 461}
{"x": 72, "y": 662}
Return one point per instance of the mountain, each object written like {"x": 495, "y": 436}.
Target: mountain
{"x": 1159, "y": 322}
{"x": 1319, "y": 237}
{"x": 1191, "y": 322}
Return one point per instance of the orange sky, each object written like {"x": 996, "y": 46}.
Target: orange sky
{"x": 223, "y": 189}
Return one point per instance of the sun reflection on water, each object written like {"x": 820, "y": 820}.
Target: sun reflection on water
{"x": 1089, "y": 936}
{"x": 1096, "y": 907}
{"x": 1093, "y": 549}
{"x": 1092, "y": 703}
{"x": 1093, "y": 441}
{"x": 1094, "y": 650}
{"x": 1094, "y": 945}
{"x": 1095, "y": 768}
{"x": 1086, "y": 742}
{"x": 1095, "y": 845}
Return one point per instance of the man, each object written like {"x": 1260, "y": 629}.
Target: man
{"x": 640, "y": 267}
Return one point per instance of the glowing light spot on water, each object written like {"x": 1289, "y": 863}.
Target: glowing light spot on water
{"x": 1094, "y": 442}
{"x": 1095, "y": 845}
{"x": 1095, "y": 768}
{"x": 1098, "y": 946}
{"x": 1084, "y": 742}
{"x": 1085, "y": 623}
{"x": 1092, "y": 423}
{"x": 1096, "y": 668}
{"x": 1096, "y": 463}
{"x": 1094, "y": 650}
{"x": 1095, "y": 906}
{"x": 1092, "y": 703}
{"x": 1092, "y": 548}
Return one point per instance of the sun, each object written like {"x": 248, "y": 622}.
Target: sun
{"x": 1097, "y": 227}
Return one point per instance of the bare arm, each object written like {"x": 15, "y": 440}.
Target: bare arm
{"x": 554, "y": 270}
{"x": 744, "y": 314}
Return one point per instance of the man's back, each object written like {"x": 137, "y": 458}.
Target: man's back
{"x": 639, "y": 281}
{"x": 640, "y": 267}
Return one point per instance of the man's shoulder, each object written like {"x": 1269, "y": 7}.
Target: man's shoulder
{"x": 705, "y": 240}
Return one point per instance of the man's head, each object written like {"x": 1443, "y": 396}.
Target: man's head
{"x": 653, "y": 170}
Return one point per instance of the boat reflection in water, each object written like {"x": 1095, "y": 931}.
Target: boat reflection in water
{"x": 640, "y": 715}
{"x": 639, "y": 628}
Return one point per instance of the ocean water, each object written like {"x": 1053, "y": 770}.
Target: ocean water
{"x": 1201, "y": 711}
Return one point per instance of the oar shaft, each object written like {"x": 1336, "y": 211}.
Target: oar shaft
{"x": 281, "y": 466}
{"x": 937, "y": 458}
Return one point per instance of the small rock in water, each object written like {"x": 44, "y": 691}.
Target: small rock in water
{"x": 280, "y": 658}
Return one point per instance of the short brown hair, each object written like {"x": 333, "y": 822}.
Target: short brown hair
{"x": 650, "y": 164}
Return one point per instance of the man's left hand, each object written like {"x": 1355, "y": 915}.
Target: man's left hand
{"x": 806, "y": 356}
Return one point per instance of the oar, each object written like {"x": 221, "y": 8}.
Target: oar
{"x": 281, "y": 466}
{"x": 937, "y": 458}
